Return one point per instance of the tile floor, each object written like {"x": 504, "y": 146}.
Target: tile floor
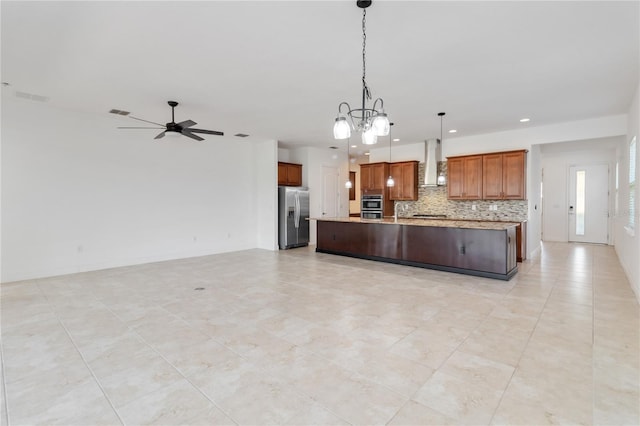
{"x": 303, "y": 338}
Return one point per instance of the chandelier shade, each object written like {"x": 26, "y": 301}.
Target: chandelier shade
{"x": 381, "y": 124}
{"x": 341, "y": 130}
{"x": 370, "y": 121}
{"x": 369, "y": 137}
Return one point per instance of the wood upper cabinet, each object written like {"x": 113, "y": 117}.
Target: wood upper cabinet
{"x": 289, "y": 174}
{"x": 503, "y": 176}
{"x": 405, "y": 175}
{"x": 465, "y": 177}
{"x": 373, "y": 177}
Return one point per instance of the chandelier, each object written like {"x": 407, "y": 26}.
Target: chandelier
{"x": 372, "y": 122}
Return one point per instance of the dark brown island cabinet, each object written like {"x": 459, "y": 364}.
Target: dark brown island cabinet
{"x": 486, "y": 250}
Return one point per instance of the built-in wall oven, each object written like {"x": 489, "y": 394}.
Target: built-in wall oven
{"x": 371, "y": 207}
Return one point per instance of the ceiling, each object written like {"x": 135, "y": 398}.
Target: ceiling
{"x": 279, "y": 69}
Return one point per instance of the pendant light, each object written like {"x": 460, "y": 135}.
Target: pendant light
{"x": 348, "y": 184}
{"x": 390, "y": 181}
{"x": 442, "y": 180}
{"x": 370, "y": 121}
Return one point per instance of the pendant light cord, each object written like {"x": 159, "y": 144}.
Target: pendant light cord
{"x": 366, "y": 94}
{"x": 389, "y": 143}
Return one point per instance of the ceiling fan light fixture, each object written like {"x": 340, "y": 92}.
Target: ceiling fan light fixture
{"x": 172, "y": 133}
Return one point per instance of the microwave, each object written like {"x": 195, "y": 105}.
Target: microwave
{"x": 371, "y": 202}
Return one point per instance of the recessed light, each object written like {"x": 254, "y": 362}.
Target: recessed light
{"x": 452, "y": 131}
{"x": 396, "y": 140}
{"x": 354, "y": 146}
{"x": 524, "y": 120}
{"x": 366, "y": 153}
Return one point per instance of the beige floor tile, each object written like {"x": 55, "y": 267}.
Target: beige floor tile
{"x": 563, "y": 395}
{"x": 429, "y": 347}
{"x": 213, "y": 416}
{"x": 413, "y": 413}
{"x": 174, "y": 404}
{"x": 478, "y": 370}
{"x": 139, "y": 376}
{"x": 466, "y": 403}
{"x": 402, "y": 375}
{"x": 362, "y": 402}
{"x": 513, "y": 411}
{"x": 499, "y": 346}
{"x": 298, "y": 337}
{"x": 54, "y": 400}
{"x": 193, "y": 359}
{"x": 314, "y": 414}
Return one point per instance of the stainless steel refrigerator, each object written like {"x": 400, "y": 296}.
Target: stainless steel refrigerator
{"x": 293, "y": 212}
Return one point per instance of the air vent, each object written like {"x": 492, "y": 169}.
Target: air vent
{"x": 32, "y": 97}
{"x": 119, "y": 112}
{"x": 241, "y": 135}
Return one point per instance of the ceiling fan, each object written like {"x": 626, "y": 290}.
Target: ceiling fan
{"x": 175, "y": 129}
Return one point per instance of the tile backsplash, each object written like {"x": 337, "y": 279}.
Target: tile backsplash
{"x": 433, "y": 200}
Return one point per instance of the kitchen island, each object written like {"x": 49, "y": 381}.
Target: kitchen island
{"x": 486, "y": 249}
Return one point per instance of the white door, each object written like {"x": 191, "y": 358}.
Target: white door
{"x": 330, "y": 192}
{"x": 589, "y": 203}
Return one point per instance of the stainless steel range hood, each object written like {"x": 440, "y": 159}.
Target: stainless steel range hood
{"x": 432, "y": 155}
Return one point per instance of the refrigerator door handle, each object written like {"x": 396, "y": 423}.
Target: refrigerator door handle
{"x": 297, "y": 210}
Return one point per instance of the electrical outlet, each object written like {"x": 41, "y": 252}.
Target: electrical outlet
{"x": 473, "y": 207}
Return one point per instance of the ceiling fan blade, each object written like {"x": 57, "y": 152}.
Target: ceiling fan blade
{"x": 146, "y": 121}
{"x": 161, "y": 135}
{"x": 187, "y": 123}
{"x": 208, "y": 132}
{"x": 192, "y": 136}
{"x": 140, "y": 127}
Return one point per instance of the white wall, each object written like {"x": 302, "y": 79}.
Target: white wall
{"x": 79, "y": 194}
{"x": 265, "y": 183}
{"x": 627, "y": 245}
{"x": 409, "y": 152}
{"x": 555, "y": 162}
{"x": 534, "y": 224}
{"x": 524, "y": 138}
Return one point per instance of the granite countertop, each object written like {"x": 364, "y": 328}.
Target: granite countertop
{"x": 447, "y": 223}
